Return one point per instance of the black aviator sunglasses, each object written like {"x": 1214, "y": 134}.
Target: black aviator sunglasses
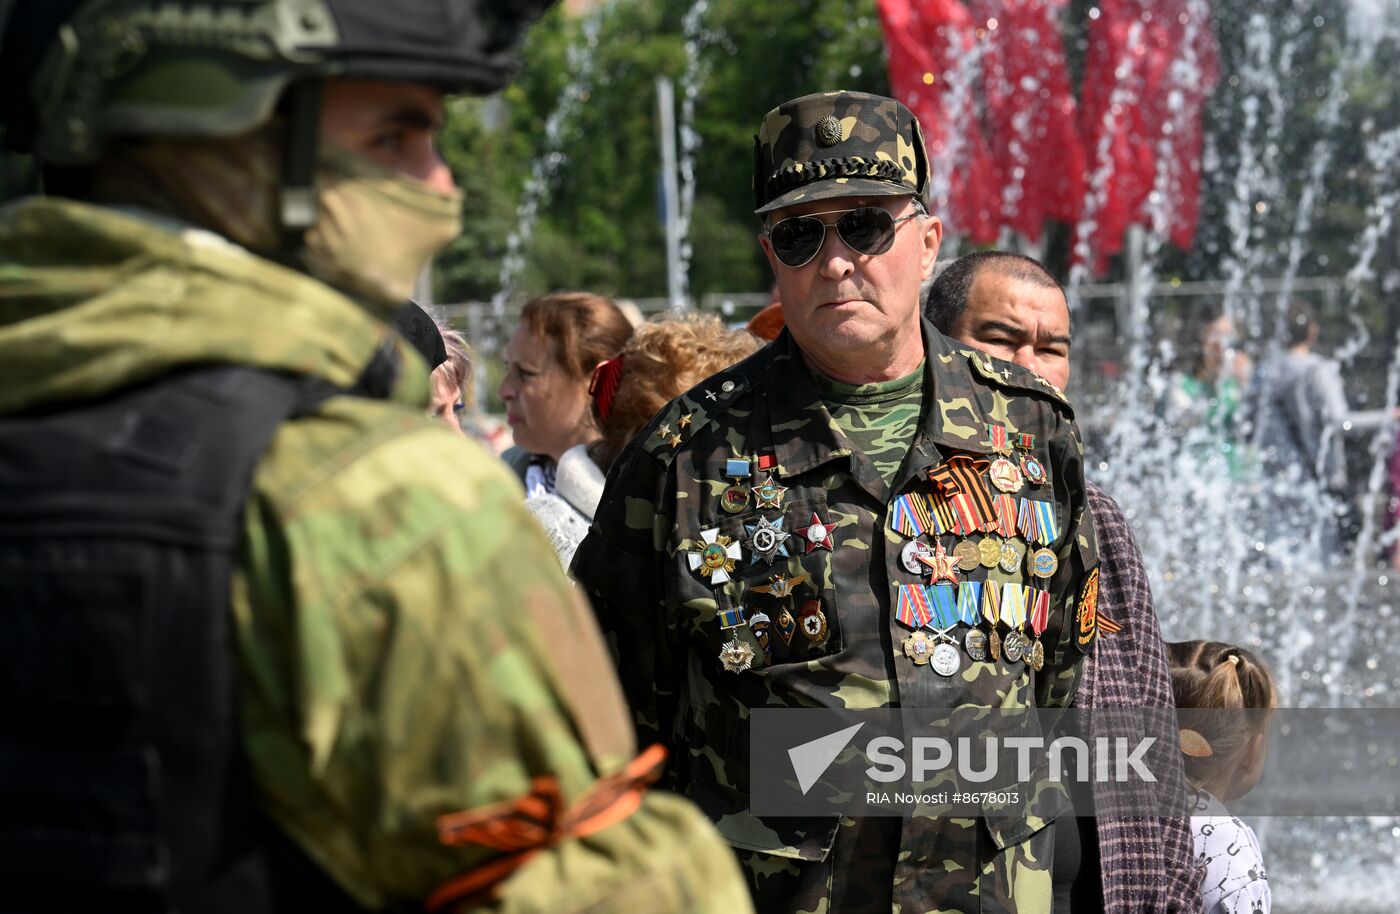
{"x": 866, "y": 230}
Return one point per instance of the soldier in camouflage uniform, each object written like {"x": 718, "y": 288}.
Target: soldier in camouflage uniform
{"x": 255, "y": 184}
{"x": 823, "y": 525}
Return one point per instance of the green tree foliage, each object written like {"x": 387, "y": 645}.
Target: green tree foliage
{"x": 470, "y": 268}
{"x": 601, "y": 226}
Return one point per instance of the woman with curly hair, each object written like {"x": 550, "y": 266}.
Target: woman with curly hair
{"x": 665, "y": 357}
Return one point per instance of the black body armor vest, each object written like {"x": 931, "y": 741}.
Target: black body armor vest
{"x": 123, "y": 785}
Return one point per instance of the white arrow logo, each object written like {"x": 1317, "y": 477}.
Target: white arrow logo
{"x": 810, "y": 760}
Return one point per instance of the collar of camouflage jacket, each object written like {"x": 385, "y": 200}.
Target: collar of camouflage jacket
{"x": 951, "y": 418}
{"x": 94, "y": 299}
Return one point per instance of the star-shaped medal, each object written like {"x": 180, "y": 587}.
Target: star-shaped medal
{"x": 780, "y": 586}
{"x": 767, "y": 539}
{"x": 940, "y": 563}
{"x": 736, "y": 656}
{"x": 664, "y": 431}
{"x": 716, "y": 556}
{"x": 817, "y": 534}
{"x": 683, "y": 421}
{"x": 769, "y": 494}
{"x": 675, "y": 441}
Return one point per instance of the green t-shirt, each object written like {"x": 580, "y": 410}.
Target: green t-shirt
{"x": 880, "y": 419}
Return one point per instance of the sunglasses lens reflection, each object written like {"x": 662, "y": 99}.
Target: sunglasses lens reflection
{"x": 867, "y": 230}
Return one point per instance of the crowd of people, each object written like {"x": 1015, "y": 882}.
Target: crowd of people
{"x": 280, "y": 638}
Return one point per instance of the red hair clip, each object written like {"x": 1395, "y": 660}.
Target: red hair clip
{"x": 604, "y": 385}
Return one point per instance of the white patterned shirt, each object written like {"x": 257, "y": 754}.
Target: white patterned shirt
{"x": 1233, "y": 879}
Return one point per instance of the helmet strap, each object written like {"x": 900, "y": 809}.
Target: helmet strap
{"x": 296, "y": 193}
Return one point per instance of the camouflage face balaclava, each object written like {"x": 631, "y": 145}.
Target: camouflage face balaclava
{"x": 375, "y": 229}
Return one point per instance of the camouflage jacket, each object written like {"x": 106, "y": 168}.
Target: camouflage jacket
{"x": 669, "y": 603}
{"x": 396, "y": 663}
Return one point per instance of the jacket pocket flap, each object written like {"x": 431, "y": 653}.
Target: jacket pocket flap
{"x": 807, "y": 838}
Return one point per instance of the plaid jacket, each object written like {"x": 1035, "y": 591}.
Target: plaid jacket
{"x": 1147, "y": 864}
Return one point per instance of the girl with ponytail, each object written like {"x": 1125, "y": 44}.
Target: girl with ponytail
{"x": 1224, "y": 756}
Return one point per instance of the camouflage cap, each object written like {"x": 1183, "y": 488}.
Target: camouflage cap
{"x": 837, "y": 144}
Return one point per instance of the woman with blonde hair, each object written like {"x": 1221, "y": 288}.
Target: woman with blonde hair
{"x": 665, "y": 357}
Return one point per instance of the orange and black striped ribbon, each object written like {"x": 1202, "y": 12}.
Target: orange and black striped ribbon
{"x": 520, "y": 828}
{"x": 962, "y": 475}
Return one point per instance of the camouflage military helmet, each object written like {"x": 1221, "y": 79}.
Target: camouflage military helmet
{"x": 838, "y": 144}
{"x": 100, "y": 68}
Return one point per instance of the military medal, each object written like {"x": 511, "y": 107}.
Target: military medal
{"x": 760, "y": 625}
{"x": 736, "y": 498}
{"x": 989, "y": 551}
{"x": 1039, "y": 618}
{"x": 1005, "y": 475}
{"x": 780, "y": 586}
{"x": 945, "y": 659}
{"x": 975, "y": 643}
{"x": 940, "y": 564}
{"x": 1037, "y": 657}
{"x": 817, "y": 534}
{"x": 768, "y": 494}
{"x": 812, "y": 621}
{"x": 787, "y": 626}
{"x": 736, "y": 656}
{"x": 1011, "y": 646}
{"x": 767, "y": 539}
{"x": 1044, "y": 564}
{"x": 1013, "y": 613}
{"x": 918, "y": 647}
{"x": 909, "y": 556}
{"x": 967, "y": 554}
{"x": 1033, "y": 470}
{"x": 991, "y": 611}
{"x": 716, "y": 557}
{"x": 1011, "y": 555}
